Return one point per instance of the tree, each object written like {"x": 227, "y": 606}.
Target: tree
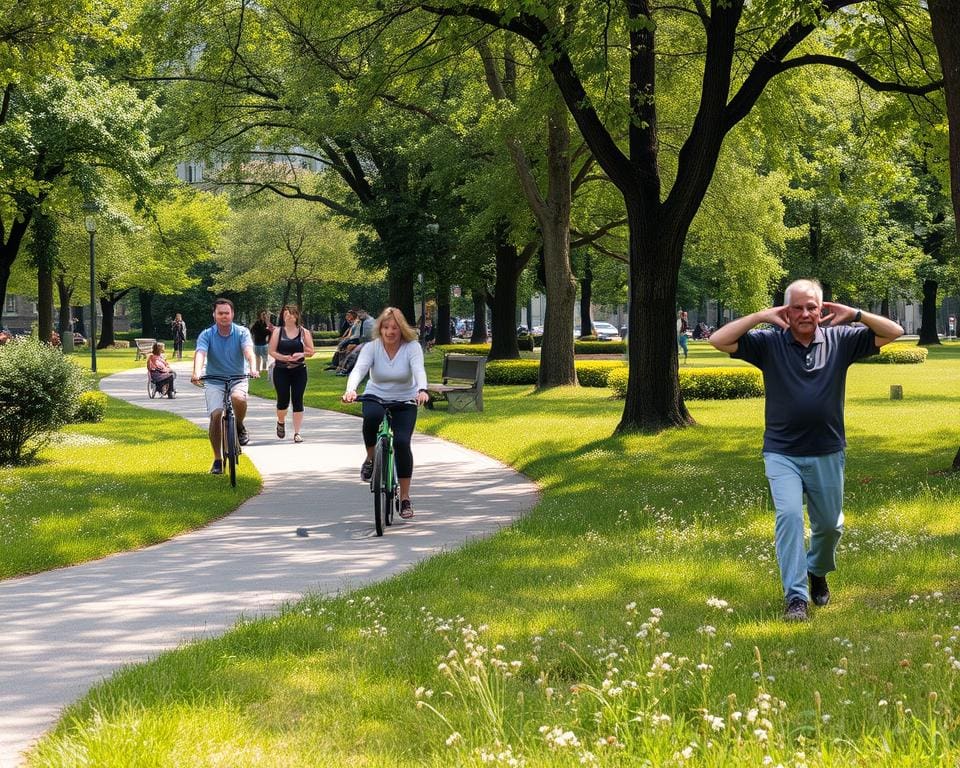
{"x": 726, "y": 33}
{"x": 946, "y": 34}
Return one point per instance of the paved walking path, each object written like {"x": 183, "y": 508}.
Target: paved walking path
{"x": 64, "y": 630}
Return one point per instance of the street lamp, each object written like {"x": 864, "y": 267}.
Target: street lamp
{"x": 90, "y": 224}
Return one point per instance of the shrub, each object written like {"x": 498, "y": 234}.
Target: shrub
{"x": 525, "y": 342}
{"x": 39, "y": 388}
{"x": 90, "y": 406}
{"x": 705, "y": 383}
{"x": 599, "y": 347}
{"x": 898, "y": 354}
{"x": 589, "y": 337}
{"x": 590, "y": 373}
{"x": 317, "y": 335}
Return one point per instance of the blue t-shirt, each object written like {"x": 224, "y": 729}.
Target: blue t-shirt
{"x": 225, "y": 353}
{"x": 805, "y": 386}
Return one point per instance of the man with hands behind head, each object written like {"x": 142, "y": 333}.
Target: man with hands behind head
{"x": 804, "y": 359}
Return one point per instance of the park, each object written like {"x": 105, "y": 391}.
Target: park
{"x": 591, "y": 576}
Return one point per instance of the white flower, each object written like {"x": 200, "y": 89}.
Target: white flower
{"x": 453, "y": 738}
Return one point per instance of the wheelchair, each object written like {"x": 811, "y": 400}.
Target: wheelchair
{"x": 153, "y": 390}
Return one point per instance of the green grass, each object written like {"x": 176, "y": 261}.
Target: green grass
{"x": 73, "y": 504}
{"x": 614, "y": 568}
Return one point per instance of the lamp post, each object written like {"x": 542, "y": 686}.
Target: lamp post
{"x": 90, "y": 223}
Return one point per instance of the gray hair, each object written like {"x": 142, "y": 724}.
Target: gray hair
{"x": 813, "y": 285}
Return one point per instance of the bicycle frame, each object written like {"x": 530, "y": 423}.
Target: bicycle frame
{"x": 384, "y": 483}
{"x": 229, "y": 442}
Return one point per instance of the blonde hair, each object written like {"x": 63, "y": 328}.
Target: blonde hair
{"x": 407, "y": 332}
{"x": 804, "y": 284}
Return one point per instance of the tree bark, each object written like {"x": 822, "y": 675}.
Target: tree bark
{"x": 108, "y": 303}
{"x": 400, "y": 284}
{"x": 928, "y": 314}
{"x": 503, "y": 343}
{"x": 479, "y": 335}
{"x": 146, "y": 313}
{"x": 945, "y": 22}
{"x": 586, "y": 298}
{"x": 64, "y": 294}
{"x": 441, "y": 327}
{"x": 44, "y": 248}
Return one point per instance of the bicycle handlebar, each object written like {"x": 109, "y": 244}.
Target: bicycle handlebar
{"x": 385, "y": 403}
{"x": 226, "y": 379}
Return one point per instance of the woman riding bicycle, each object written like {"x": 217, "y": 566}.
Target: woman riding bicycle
{"x": 394, "y": 361}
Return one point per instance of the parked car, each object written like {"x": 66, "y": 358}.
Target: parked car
{"x": 606, "y": 332}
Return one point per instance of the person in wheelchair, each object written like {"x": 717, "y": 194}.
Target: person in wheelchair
{"x": 160, "y": 372}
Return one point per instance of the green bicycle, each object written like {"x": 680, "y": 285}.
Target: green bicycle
{"x": 384, "y": 483}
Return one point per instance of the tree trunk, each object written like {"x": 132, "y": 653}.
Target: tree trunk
{"x": 945, "y": 22}
{"x": 479, "y": 335}
{"x": 44, "y": 300}
{"x": 885, "y": 306}
{"x": 556, "y": 350}
{"x": 146, "y": 313}
{"x": 400, "y": 283}
{"x": 503, "y": 344}
{"x": 653, "y": 402}
{"x": 64, "y": 294}
{"x": 106, "y": 337}
{"x": 928, "y": 314}
{"x": 10, "y": 248}
{"x": 586, "y": 298}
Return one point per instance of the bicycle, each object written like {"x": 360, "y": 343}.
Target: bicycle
{"x": 384, "y": 483}
{"x": 229, "y": 440}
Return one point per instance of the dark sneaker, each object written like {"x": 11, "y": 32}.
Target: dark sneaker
{"x": 819, "y": 591}
{"x": 366, "y": 471}
{"x": 796, "y": 610}
{"x": 281, "y": 430}
{"x": 406, "y": 509}
{"x": 217, "y": 468}
{"x": 242, "y": 435}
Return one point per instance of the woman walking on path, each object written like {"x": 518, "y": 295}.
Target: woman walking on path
{"x": 290, "y": 345}
{"x": 394, "y": 360}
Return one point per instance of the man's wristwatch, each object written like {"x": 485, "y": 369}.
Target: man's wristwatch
{"x": 856, "y": 317}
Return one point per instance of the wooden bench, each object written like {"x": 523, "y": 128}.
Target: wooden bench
{"x": 462, "y": 385}
{"x": 144, "y": 347}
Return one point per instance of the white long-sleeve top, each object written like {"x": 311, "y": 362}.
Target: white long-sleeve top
{"x": 397, "y": 379}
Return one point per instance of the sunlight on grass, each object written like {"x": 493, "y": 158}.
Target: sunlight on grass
{"x": 632, "y": 618}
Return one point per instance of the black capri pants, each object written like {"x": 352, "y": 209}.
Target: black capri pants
{"x": 404, "y": 420}
{"x": 290, "y": 383}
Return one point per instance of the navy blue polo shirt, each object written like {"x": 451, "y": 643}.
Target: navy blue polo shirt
{"x": 805, "y": 386}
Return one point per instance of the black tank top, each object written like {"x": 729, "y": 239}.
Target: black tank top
{"x": 287, "y": 346}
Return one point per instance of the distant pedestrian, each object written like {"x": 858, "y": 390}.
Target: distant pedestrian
{"x": 260, "y": 331}
{"x": 683, "y": 329}
{"x": 290, "y": 345}
{"x": 804, "y": 360}
{"x": 179, "y": 329}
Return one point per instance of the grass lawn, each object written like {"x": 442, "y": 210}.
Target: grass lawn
{"x": 633, "y": 618}
{"x": 77, "y": 502}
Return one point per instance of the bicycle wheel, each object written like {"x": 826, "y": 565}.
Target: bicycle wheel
{"x": 394, "y": 505}
{"x": 376, "y": 485}
{"x": 230, "y": 446}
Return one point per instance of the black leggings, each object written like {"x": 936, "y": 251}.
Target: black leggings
{"x": 404, "y": 419}
{"x": 290, "y": 382}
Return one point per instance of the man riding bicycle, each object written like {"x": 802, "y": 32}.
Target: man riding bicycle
{"x": 227, "y": 350}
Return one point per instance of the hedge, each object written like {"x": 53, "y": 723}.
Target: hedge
{"x": 325, "y": 335}
{"x": 464, "y": 349}
{"x": 599, "y": 347}
{"x": 590, "y": 373}
{"x": 705, "y": 383}
{"x": 898, "y": 354}
{"x": 579, "y": 347}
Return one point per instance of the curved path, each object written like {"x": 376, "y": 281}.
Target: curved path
{"x": 64, "y": 630}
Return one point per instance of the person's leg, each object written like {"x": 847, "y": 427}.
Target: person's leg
{"x": 214, "y": 432}
{"x": 404, "y": 420}
{"x": 239, "y": 396}
{"x": 786, "y": 489}
{"x": 823, "y": 482}
{"x": 372, "y": 416}
{"x": 281, "y": 382}
{"x": 298, "y": 385}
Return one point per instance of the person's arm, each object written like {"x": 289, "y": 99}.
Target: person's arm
{"x": 272, "y": 344}
{"x": 727, "y": 337}
{"x": 884, "y": 329}
{"x": 308, "y": 348}
{"x": 419, "y": 372}
{"x": 199, "y": 358}
{"x": 360, "y": 369}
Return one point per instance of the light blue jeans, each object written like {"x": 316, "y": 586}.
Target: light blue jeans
{"x": 821, "y": 479}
